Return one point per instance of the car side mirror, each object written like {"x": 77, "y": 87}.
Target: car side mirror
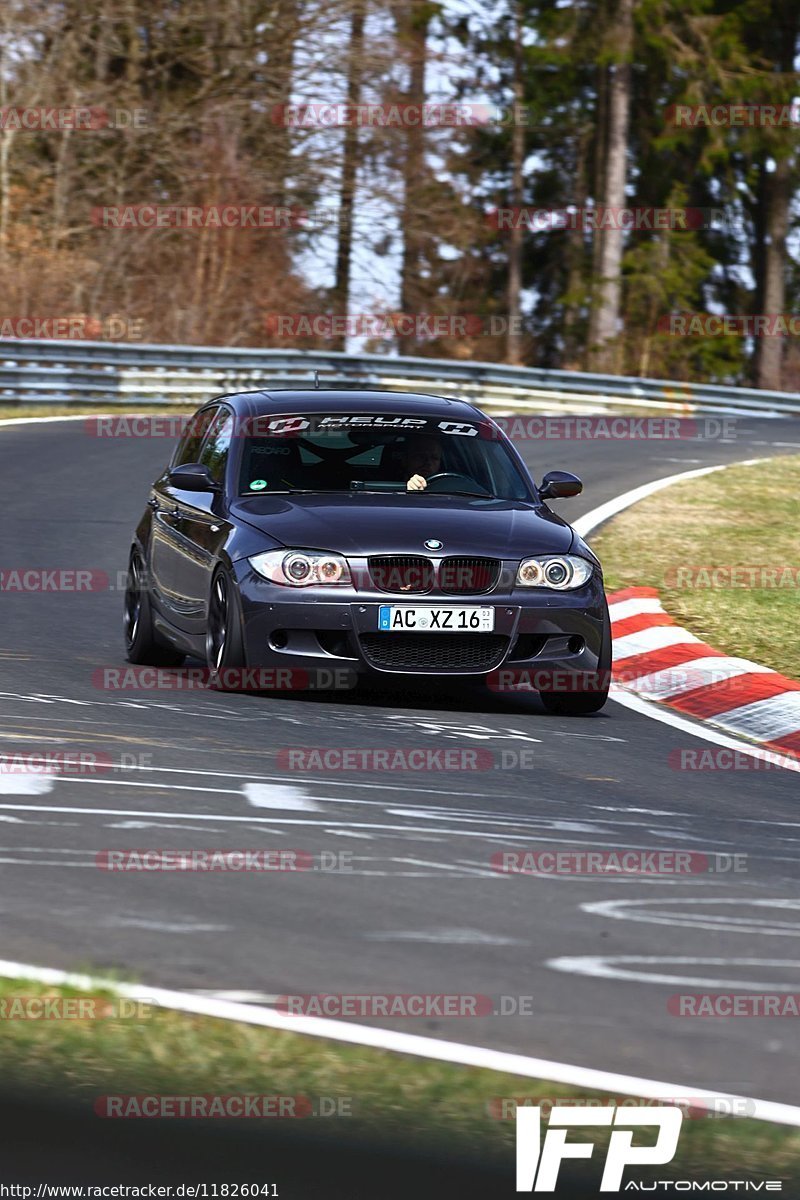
{"x": 193, "y": 477}
{"x": 559, "y": 485}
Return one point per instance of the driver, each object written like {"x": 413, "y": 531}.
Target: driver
{"x": 423, "y": 458}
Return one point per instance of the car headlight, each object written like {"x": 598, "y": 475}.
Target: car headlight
{"x": 562, "y": 572}
{"x": 301, "y": 568}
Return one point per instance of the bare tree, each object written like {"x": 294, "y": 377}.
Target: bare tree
{"x": 350, "y": 156}
{"x": 514, "y": 339}
{"x": 413, "y": 20}
{"x": 609, "y": 285}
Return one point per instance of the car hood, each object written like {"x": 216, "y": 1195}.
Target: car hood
{"x": 364, "y": 524}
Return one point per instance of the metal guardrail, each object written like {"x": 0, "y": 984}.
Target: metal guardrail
{"x": 57, "y": 372}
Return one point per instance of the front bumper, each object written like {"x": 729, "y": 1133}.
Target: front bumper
{"x": 337, "y": 627}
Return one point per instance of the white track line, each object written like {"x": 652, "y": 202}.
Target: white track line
{"x": 397, "y": 1042}
{"x": 598, "y": 516}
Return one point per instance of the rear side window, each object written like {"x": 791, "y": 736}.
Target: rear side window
{"x": 198, "y": 427}
{"x": 214, "y": 453}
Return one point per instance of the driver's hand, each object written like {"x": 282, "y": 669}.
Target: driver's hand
{"x": 417, "y": 483}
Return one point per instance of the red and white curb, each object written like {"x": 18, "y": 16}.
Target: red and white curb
{"x": 657, "y": 659}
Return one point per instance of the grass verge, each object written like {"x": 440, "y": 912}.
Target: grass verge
{"x": 688, "y": 540}
{"x": 157, "y": 1052}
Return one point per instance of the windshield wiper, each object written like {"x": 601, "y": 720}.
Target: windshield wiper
{"x": 291, "y": 492}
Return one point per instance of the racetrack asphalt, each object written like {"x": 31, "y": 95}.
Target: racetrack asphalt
{"x": 421, "y": 910}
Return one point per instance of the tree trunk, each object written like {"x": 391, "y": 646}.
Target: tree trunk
{"x": 6, "y": 139}
{"x": 347, "y": 190}
{"x": 281, "y": 40}
{"x": 599, "y": 190}
{"x": 575, "y": 281}
{"x": 603, "y": 354}
{"x": 514, "y": 338}
{"x": 778, "y": 194}
{"x": 413, "y": 28}
{"x": 774, "y": 203}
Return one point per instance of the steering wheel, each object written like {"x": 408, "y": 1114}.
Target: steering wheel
{"x": 462, "y": 479}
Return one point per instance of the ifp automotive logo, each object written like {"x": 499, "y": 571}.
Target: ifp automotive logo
{"x": 538, "y": 1165}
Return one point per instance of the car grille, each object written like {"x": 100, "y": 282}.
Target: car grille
{"x": 434, "y": 651}
{"x": 468, "y": 576}
{"x": 401, "y": 573}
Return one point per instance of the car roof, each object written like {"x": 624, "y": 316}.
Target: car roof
{"x": 340, "y": 400}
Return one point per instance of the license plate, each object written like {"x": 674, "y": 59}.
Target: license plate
{"x": 446, "y": 619}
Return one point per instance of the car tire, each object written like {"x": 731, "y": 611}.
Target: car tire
{"x": 583, "y": 704}
{"x": 225, "y": 653}
{"x": 142, "y": 646}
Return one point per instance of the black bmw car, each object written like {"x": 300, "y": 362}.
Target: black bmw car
{"x": 384, "y": 532}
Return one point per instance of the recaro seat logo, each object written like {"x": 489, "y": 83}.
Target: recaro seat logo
{"x": 538, "y": 1165}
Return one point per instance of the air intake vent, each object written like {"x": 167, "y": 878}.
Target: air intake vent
{"x": 459, "y": 652}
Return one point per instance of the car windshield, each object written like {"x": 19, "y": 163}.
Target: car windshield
{"x": 378, "y": 453}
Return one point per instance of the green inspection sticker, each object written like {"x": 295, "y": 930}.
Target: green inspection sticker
{"x": 258, "y": 485}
